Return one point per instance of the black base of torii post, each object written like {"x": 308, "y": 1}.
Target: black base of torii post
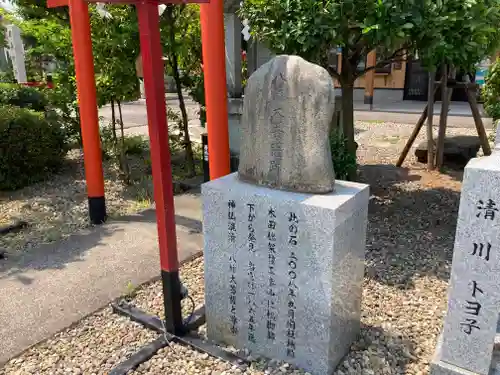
{"x": 189, "y": 338}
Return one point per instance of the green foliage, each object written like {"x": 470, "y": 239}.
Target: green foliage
{"x": 23, "y": 97}
{"x": 36, "y": 9}
{"x": 51, "y": 40}
{"x": 457, "y": 32}
{"x": 31, "y": 147}
{"x": 116, "y": 46}
{"x": 132, "y": 145}
{"x": 312, "y": 28}
{"x": 491, "y": 91}
{"x": 187, "y": 46}
{"x": 7, "y": 76}
{"x": 344, "y": 161}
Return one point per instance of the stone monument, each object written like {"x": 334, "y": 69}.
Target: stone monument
{"x": 288, "y": 102}
{"x": 284, "y": 265}
{"x": 467, "y": 343}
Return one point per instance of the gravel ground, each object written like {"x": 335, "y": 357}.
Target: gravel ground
{"x": 58, "y": 207}
{"x": 409, "y": 245}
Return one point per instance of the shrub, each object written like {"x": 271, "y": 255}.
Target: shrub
{"x": 491, "y": 91}
{"x": 23, "y": 97}
{"x": 133, "y": 145}
{"x": 31, "y": 147}
{"x": 344, "y": 162}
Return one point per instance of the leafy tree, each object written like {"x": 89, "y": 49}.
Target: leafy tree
{"x": 491, "y": 91}
{"x": 441, "y": 31}
{"x": 459, "y": 33}
{"x": 181, "y": 36}
{"x": 115, "y": 38}
{"x": 50, "y": 38}
{"x": 38, "y": 10}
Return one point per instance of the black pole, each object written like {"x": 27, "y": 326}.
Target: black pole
{"x": 206, "y": 170}
{"x": 172, "y": 296}
{"x": 97, "y": 210}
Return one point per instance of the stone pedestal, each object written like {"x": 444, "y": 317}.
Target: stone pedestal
{"x": 440, "y": 367}
{"x": 284, "y": 271}
{"x": 470, "y": 327}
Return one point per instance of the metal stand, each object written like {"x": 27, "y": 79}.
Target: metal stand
{"x": 189, "y": 338}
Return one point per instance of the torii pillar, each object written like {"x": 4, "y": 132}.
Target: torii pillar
{"x": 87, "y": 102}
{"x": 215, "y": 87}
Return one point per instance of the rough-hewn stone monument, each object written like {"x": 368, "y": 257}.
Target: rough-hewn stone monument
{"x": 284, "y": 268}
{"x": 466, "y": 346}
{"x": 288, "y": 108}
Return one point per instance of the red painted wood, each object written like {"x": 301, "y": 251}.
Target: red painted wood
{"x": 214, "y": 67}
{"x": 87, "y": 101}
{"x": 57, "y": 3}
{"x": 138, "y": 1}
{"x": 152, "y": 63}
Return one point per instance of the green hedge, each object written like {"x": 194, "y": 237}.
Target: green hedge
{"x": 344, "y": 163}
{"x": 31, "y": 147}
{"x": 23, "y": 97}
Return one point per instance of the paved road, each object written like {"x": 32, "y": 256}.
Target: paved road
{"x": 408, "y": 112}
{"x": 56, "y": 285}
{"x": 136, "y": 121}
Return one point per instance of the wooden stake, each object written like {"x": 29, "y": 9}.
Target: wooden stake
{"x": 430, "y": 118}
{"x": 478, "y": 121}
{"x": 413, "y": 136}
{"x": 445, "y": 106}
{"x": 416, "y": 131}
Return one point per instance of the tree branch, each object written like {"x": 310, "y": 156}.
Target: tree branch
{"x": 333, "y": 72}
{"x": 399, "y": 55}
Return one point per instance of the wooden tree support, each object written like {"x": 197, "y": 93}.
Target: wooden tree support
{"x": 451, "y": 84}
{"x": 414, "y": 134}
{"x": 446, "y": 93}
{"x": 430, "y": 119}
{"x": 478, "y": 121}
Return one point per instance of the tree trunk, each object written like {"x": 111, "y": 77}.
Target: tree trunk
{"x": 430, "y": 118}
{"x": 348, "y": 122}
{"x": 177, "y": 78}
{"x": 347, "y": 78}
{"x": 113, "y": 122}
{"x": 124, "y": 167}
{"x": 445, "y": 106}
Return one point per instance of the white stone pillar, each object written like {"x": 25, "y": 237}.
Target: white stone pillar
{"x": 16, "y": 52}
{"x": 232, "y": 29}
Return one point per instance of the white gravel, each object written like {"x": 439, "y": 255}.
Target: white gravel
{"x": 409, "y": 246}
{"x": 58, "y": 207}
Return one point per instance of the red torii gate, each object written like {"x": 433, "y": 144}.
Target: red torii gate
{"x": 216, "y": 100}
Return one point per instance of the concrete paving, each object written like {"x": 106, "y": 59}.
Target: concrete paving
{"x": 384, "y": 110}
{"x": 56, "y": 285}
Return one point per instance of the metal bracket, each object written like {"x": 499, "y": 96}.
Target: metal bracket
{"x": 155, "y": 324}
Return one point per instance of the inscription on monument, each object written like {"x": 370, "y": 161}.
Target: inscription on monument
{"x": 252, "y": 285}
{"x": 471, "y": 308}
{"x": 271, "y": 292}
{"x": 231, "y": 216}
{"x": 471, "y": 321}
{"x": 288, "y": 108}
{"x": 293, "y": 230}
{"x": 297, "y": 262}
{"x": 289, "y": 223}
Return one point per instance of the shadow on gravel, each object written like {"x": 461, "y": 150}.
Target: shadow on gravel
{"x": 411, "y": 226}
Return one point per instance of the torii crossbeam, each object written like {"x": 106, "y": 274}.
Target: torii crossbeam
{"x": 216, "y": 99}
